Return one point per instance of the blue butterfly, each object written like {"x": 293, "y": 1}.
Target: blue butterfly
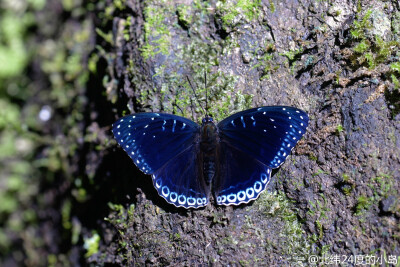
{"x": 233, "y": 159}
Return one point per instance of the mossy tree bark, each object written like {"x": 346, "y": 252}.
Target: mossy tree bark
{"x": 336, "y": 194}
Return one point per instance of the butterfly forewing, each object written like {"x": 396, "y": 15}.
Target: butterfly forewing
{"x": 266, "y": 133}
{"x": 152, "y": 139}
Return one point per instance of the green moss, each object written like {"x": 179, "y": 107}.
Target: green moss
{"x": 244, "y": 263}
{"x": 369, "y": 51}
{"x": 230, "y": 11}
{"x": 395, "y": 67}
{"x": 318, "y": 172}
{"x": 221, "y": 93}
{"x": 9, "y": 116}
{"x": 127, "y": 26}
{"x": 106, "y": 36}
{"x": 363, "y": 203}
{"x": 91, "y": 244}
{"x": 339, "y": 129}
{"x": 185, "y": 16}
{"x": 320, "y": 229}
{"x": 120, "y": 4}
{"x": 319, "y": 209}
{"x": 395, "y": 81}
{"x": 13, "y": 48}
{"x": 383, "y": 186}
{"x": 347, "y": 189}
{"x": 313, "y": 157}
{"x": 292, "y": 53}
{"x": 325, "y": 249}
{"x": 59, "y": 79}
{"x": 66, "y": 213}
{"x": 360, "y": 25}
{"x": 156, "y": 32}
{"x": 362, "y": 46}
{"x": 277, "y": 205}
{"x": 272, "y": 6}
{"x": 267, "y": 61}
{"x": 292, "y": 56}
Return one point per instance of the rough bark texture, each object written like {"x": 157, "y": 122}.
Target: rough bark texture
{"x": 336, "y": 195}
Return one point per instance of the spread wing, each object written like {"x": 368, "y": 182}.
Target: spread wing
{"x": 165, "y": 146}
{"x": 253, "y": 142}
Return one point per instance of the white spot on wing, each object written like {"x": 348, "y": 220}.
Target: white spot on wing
{"x": 241, "y": 118}
{"x": 173, "y": 126}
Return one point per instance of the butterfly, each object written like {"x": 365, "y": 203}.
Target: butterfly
{"x": 232, "y": 160}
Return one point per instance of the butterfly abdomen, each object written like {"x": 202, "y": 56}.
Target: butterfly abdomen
{"x": 208, "y": 146}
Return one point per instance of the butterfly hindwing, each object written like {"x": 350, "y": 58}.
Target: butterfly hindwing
{"x": 242, "y": 177}
{"x": 267, "y": 133}
{"x": 152, "y": 139}
{"x": 180, "y": 180}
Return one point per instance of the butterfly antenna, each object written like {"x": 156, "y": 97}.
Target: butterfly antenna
{"x": 205, "y": 85}
{"x": 194, "y": 92}
{"x": 191, "y": 104}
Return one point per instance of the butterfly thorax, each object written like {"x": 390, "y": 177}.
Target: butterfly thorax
{"x": 208, "y": 146}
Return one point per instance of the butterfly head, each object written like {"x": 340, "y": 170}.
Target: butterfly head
{"x": 208, "y": 119}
